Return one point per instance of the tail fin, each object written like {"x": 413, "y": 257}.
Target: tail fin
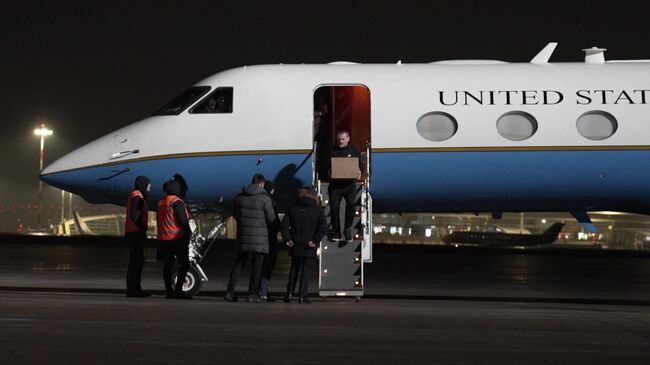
{"x": 553, "y": 231}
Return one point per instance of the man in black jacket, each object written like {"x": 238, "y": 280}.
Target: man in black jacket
{"x": 302, "y": 229}
{"x": 135, "y": 231}
{"x": 253, "y": 212}
{"x": 343, "y": 188}
{"x": 269, "y": 260}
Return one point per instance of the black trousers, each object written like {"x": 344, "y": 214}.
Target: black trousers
{"x": 349, "y": 193}
{"x": 179, "y": 250}
{"x": 267, "y": 268}
{"x": 136, "y": 261}
{"x": 256, "y": 270}
{"x": 300, "y": 265}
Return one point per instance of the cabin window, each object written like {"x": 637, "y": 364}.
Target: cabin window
{"x": 219, "y": 101}
{"x": 516, "y": 126}
{"x": 183, "y": 101}
{"x": 437, "y": 126}
{"x": 597, "y": 125}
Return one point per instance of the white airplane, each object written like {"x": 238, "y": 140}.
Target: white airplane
{"x": 448, "y": 136}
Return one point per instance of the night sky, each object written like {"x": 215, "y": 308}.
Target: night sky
{"x": 86, "y": 68}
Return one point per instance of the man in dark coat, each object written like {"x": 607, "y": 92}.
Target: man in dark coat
{"x": 343, "y": 188}
{"x": 253, "y": 212}
{"x": 302, "y": 229}
{"x": 269, "y": 260}
{"x": 135, "y": 228}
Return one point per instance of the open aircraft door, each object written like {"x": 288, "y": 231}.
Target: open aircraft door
{"x": 343, "y": 107}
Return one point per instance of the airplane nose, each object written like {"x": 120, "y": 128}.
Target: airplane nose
{"x": 73, "y": 171}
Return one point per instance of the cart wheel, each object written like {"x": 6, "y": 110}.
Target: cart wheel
{"x": 192, "y": 284}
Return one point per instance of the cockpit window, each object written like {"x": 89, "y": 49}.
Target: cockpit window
{"x": 182, "y": 101}
{"x": 219, "y": 101}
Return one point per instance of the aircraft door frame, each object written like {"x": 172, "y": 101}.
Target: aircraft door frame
{"x": 340, "y": 106}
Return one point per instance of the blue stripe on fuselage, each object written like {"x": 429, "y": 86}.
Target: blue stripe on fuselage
{"x": 209, "y": 177}
{"x": 406, "y": 181}
{"x": 511, "y": 181}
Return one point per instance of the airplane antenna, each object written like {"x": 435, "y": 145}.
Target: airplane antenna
{"x": 594, "y": 55}
{"x": 543, "y": 56}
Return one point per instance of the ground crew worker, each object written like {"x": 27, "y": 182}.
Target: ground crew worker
{"x": 173, "y": 237}
{"x": 135, "y": 231}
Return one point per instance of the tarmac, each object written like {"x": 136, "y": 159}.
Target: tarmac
{"x": 62, "y": 301}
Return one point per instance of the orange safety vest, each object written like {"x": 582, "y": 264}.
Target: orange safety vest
{"x": 168, "y": 227}
{"x": 129, "y": 224}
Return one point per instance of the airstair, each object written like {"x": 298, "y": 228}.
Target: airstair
{"x": 341, "y": 262}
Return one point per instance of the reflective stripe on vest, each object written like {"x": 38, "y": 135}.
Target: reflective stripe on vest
{"x": 129, "y": 224}
{"x": 168, "y": 227}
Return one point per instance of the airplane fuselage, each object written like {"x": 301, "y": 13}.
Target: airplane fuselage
{"x": 475, "y": 167}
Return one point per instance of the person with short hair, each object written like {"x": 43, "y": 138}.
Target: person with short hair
{"x": 253, "y": 212}
{"x": 343, "y": 189}
{"x": 269, "y": 260}
{"x": 303, "y": 227}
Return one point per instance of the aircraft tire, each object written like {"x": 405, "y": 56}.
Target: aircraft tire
{"x": 192, "y": 284}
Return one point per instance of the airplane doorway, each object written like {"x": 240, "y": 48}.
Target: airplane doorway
{"x": 341, "y": 107}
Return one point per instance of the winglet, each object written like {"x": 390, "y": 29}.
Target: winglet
{"x": 543, "y": 56}
{"x": 582, "y": 217}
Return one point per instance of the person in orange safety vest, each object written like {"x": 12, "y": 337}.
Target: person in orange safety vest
{"x": 135, "y": 231}
{"x": 173, "y": 236}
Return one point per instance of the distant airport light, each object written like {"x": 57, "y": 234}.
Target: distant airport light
{"x": 544, "y": 221}
{"x": 43, "y": 131}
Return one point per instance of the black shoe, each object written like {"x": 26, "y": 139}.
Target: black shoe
{"x": 270, "y": 300}
{"x": 287, "y": 299}
{"x": 138, "y": 294}
{"x": 230, "y": 297}
{"x": 254, "y": 299}
{"x": 171, "y": 296}
{"x": 333, "y": 236}
{"x": 348, "y": 235}
{"x": 145, "y": 293}
{"x": 182, "y": 296}
{"x": 304, "y": 301}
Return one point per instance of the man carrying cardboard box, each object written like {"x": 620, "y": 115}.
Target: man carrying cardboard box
{"x": 345, "y": 171}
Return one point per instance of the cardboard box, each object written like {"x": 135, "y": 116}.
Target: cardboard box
{"x": 345, "y": 168}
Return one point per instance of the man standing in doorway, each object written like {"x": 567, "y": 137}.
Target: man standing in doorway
{"x": 343, "y": 188}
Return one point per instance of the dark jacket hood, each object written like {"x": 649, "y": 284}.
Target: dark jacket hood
{"x": 172, "y": 187}
{"x": 141, "y": 183}
{"x": 253, "y": 189}
{"x": 184, "y": 187}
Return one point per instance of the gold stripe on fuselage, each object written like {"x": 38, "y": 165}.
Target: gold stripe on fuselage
{"x": 374, "y": 150}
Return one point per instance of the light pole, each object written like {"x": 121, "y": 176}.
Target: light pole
{"x": 42, "y": 132}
